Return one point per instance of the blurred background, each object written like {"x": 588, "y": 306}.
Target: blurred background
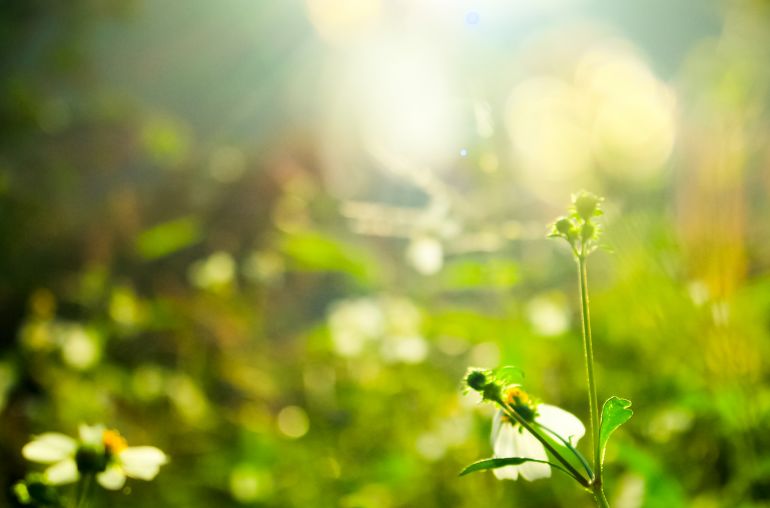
{"x": 269, "y": 236}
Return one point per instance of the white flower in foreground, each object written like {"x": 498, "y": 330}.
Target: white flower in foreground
{"x": 510, "y": 439}
{"x": 99, "y": 451}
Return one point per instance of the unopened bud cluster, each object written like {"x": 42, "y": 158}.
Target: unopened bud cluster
{"x": 35, "y": 491}
{"x": 578, "y": 228}
{"x": 484, "y": 382}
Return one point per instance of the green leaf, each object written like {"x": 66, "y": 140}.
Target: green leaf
{"x": 479, "y": 274}
{"x": 494, "y": 463}
{"x": 168, "y": 237}
{"x": 509, "y": 374}
{"x": 317, "y": 252}
{"x": 615, "y": 412}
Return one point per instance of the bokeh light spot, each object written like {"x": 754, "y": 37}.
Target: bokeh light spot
{"x": 293, "y": 422}
{"x": 249, "y": 483}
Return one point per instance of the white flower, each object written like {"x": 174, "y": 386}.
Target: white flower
{"x": 426, "y": 255}
{"x": 510, "y": 439}
{"x": 102, "y": 451}
{"x": 58, "y": 450}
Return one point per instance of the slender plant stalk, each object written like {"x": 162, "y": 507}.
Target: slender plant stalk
{"x": 593, "y": 401}
{"x": 84, "y": 489}
{"x": 601, "y": 501}
{"x": 578, "y": 229}
{"x": 571, "y": 448}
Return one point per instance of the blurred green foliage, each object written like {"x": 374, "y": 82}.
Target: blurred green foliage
{"x": 178, "y": 263}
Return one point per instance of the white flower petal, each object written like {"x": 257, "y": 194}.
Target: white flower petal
{"x": 142, "y": 462}
{"x": 91, "y": 434}
{"x": 504, "y": 445}
{"x": 49, "y": 448}
{"x": 528, "y": 446}
{"x": 496, "y": 423}
{"x": 62, "y": 472}
{"x": 112, "y": 478}
{"x": 564, "y": 423}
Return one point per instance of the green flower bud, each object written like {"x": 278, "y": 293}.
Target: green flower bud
{"x": 476, "y": 379}
{"x": 492, "y": 391}
{"x": 588, "y": 231}
{"x": 21, "y": 492}
{"x": 91, "y": 459}
{"x": 586, "y": 205}
{"x": 34, "y": 491}
{"x": 43, "y": 495}
{"x": 563, "y": 226}
{"x": 484, "y": 382}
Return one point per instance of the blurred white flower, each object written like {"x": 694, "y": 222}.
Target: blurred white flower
{"x": 548, "y": 314}
{"x": 426, "y": 255}
{"x": 392, "y": 323}
{"x": 353, "y": 323}
{"x": 510, "y": 439}
{"x": 407, "y": 349}
{"x": 80, "y": 346}
{"x": 98, "y": 451}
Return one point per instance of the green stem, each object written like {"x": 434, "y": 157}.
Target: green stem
{"x": 601, "y": 500}
{"x": 593, "y": 401}
{"x": 571, "y": 448}
{"x": 574, "y": 472}
{"x": 84, "y": 488}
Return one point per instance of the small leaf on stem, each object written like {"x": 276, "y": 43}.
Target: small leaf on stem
{"x": 509, "y": 374}
{"x": 615, "y": 412}
{"x": 494, "y": 463}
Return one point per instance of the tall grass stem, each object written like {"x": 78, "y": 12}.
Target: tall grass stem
{"x": 593, "y": 401}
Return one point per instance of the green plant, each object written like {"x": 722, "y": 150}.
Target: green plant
{"x": 98, "y": 454}
{"x": 537, "y": 444}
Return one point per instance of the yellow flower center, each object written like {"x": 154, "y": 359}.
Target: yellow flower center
{"x": 114, "y": 443}
{"x": 520, "y": 402}
{"x": 515, "y": 396}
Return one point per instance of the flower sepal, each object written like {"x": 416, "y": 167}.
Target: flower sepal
{"x": 91, "y": 459}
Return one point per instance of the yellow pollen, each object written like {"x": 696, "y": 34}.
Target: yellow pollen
{"x": 114, "y": 443}
{"x": 515, "y": 396}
